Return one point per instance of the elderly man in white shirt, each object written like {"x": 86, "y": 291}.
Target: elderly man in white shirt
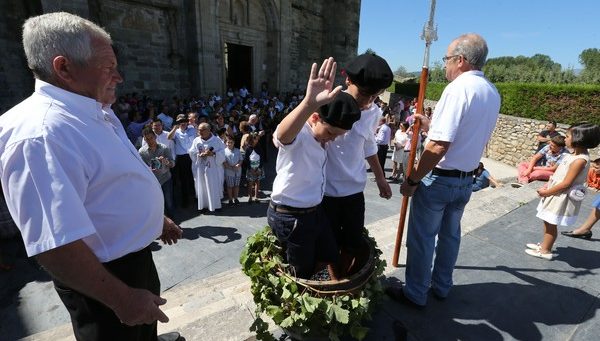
{"x": 88, "y": 219}
{"x": 441, "y": 184}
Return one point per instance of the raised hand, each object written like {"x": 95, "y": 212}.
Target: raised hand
{"x": 319, "y": 90}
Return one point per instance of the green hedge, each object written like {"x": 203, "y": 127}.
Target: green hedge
{"x": 564, "y": 103}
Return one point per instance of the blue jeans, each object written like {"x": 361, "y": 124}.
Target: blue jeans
{"x": 436, "y": 209}
{"x": 307, "y": 239}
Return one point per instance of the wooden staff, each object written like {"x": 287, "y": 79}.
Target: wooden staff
{"x": 429, "y": 35}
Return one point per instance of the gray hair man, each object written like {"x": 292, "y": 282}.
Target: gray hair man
{"x": 440, "y": 186}
{"x": 87, "y": 219}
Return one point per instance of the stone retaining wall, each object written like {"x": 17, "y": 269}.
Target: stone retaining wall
{"x": 513, "y": 140}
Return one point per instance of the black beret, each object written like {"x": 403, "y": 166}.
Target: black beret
{"x": 342, "y": 112}
{"x": 370, "y": 72}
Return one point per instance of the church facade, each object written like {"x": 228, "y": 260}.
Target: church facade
{"x": 195, "y": 47}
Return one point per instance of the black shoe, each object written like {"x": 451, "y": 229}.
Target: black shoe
{"x": 397, "y": 294}
{"x": 172, "y": 336}
{"x": 236, "y": 201}
{"x": 587, "y": 235}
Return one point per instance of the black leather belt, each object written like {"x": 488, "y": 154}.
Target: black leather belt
{"x": 453, "y": 173}
{"x": 291, "y": 210}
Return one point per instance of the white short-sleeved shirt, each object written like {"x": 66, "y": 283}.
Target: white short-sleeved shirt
{"x": 183, "y": 140}
{"x": 69, "y": 173}
{"x": 300, "y": 166}
{"x": 465, "y": 116}
{"x": 346, "y": 170}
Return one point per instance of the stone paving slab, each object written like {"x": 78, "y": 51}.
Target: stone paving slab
{"x": 209, "y": 299}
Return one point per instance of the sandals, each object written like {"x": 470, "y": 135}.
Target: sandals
{"x": 587, "y": 235}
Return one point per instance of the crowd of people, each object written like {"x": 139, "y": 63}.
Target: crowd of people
{"x": 89, "y": 220}
{"x": 204, "y": 149}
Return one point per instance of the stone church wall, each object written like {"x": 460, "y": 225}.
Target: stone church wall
{"x": 176, "y": 47}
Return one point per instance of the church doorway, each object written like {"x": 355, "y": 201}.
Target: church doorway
{"x": 238, "y": 66}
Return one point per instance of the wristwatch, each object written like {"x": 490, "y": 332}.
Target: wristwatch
{"x": 410, "y": 182}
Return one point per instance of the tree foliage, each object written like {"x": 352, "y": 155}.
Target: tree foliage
{"x": 370, "y": 51}
{"x": 536, "y": 69}
{"x": 402, "y": 72}
{"x": 590, "y": 59}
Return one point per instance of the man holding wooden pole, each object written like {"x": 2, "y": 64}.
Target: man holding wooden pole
{"x": 440, "y": 185}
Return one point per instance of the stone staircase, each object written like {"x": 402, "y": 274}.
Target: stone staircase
{"x": 221, "y": 307}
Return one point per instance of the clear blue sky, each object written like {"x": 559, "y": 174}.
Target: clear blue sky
{"x": 558, "y": 29}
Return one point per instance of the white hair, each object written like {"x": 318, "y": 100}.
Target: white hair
{"x": 58, "y": 34}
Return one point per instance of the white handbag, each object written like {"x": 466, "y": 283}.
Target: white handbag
{"x": 577, "y": 192}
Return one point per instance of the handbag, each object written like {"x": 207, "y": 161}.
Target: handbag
{"x": 577, "y": 192}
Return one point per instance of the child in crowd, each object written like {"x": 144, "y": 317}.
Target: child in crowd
{"x": 593, "y": 178}
{"x": 295, "y": 212}
{"x": 482, "y": 178}
{"x": 400, "y": 138}
{"x": 544, "y": 162}
{"x": 254, "y": 169}
{"x": 233, "y": 169}
{"x": 560, "y": 203}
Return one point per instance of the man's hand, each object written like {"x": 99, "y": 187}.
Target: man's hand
{"x": 407, "y": 190}
{"x": 425, "y": 121}
{"x": 384, "y": 188}
{"x": 140, "y": 306}
{"x": 171, "y": 232}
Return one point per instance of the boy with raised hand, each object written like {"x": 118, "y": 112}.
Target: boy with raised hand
{"x": 295, "y": 213}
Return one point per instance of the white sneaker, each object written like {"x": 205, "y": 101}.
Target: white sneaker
{"x": 538, "y": 254}
{"x": 533, "y": 246}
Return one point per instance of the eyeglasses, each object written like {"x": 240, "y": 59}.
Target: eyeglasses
{"x": 447, "y": 58}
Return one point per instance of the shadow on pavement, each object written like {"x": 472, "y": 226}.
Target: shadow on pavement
{"x": 218, "y": 234}
{"x": 483, "y": 311}
{"x": 24, "y": 271}
{"x": 578, "y": 258}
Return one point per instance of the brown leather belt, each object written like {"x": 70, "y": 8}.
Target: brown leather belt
{"x": 453, "y": 173}
{"x": 291, "y": 210}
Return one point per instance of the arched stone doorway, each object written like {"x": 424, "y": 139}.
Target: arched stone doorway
{"x": 248, "y": 38}
{"x": 279, "y": 39}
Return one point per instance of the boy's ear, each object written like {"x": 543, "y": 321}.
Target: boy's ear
{"x": 314, "y": 117}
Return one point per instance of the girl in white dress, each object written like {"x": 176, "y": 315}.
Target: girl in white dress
{"x": 560, "y": 203}
{"x": 400, "y": 138}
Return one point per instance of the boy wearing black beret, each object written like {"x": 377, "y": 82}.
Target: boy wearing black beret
{"x": 367, "y": 76}
{"x": 295, "y": 213}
